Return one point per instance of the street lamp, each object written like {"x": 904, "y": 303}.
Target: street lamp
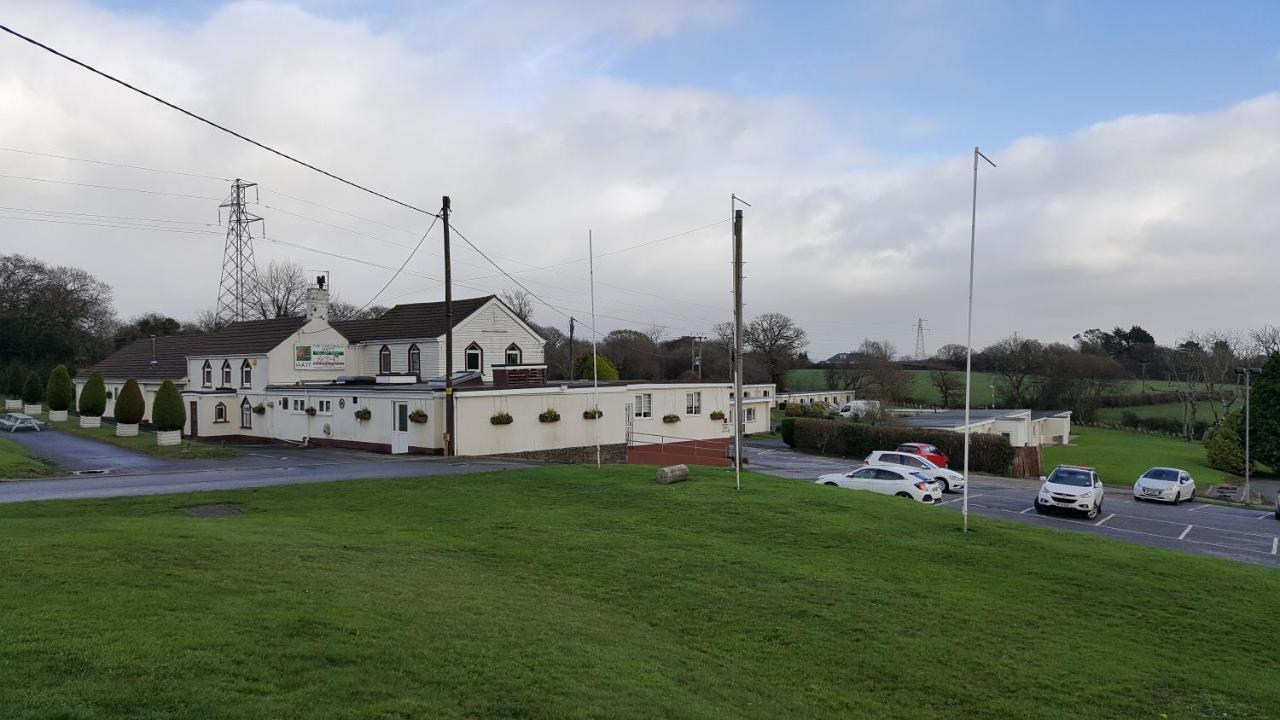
{"x": 968, "y": 352}
{"x": 1246, "y": 373}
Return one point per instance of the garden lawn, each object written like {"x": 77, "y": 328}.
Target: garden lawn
{"x": 145, "y": 441}
{"x": 566, "y": 592}
{"x": 1120, "y": 456}
{"x": 16, "y": 463}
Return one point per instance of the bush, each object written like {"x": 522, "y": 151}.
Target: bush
{"x": 59, "y": 391}
{"x": 501, "y": 418}
{"x": 987, "y": 453}
{"x": 549, "y": 416}
{"x": 130, "y": 407}
{"x": 33, "y": 391}
{"x": 1163, "y": 425}
{"x": 788, "y": 430}
{"x": 594, "y": 414}
{"x": 606, "y": 370}
{"x": 1225, "y": 449}
{"x": 167, "y": 413}
{"x": 93, "y": 399}
{"x": 14, "y": 381}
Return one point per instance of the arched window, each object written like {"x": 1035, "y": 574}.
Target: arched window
{"x": 513, "y": 354}
{"x": 220, "y": 413}
{"x": 246, "y": 374}
{"x": 384, "y": 360}
{"x": 206, "y": 374}
{"x": 415, "y": 360}
{"x": 474, "y": 358}
{"x": 226, "y": 373}
{"x": 246, "y": 414}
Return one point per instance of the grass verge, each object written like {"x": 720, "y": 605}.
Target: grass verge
{"x": 566, "y": 593}
{"x": 16, "y": 462}
{"x": 145, "y": 441}
{"x": 1120, "y": 457}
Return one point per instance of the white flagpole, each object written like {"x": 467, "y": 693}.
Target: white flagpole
{"x": 595, "y": 361}
{"x": 968, "y": 354}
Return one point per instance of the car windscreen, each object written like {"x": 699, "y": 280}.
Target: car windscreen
{"x": 1161, "y": 474}
{"x": 1079, "y": 478}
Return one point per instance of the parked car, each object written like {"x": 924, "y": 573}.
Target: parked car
{"x": 927, "y": 451}
{"x": 1071, "y": 487}
{"x": 887, "y": 480}
{"x": 950, "y": 479}
{"x": 1167, "y": 484}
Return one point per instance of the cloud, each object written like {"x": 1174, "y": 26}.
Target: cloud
{"x": 513, "y": 111}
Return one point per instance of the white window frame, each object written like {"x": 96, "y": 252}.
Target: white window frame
{"x": 415, "y": 359}
{"x": 220, "y": 413}
{"x": 693, "y": 403}
{"x": 206, "y": 374}
{"x": 643, "y": 409}
{"x": 750, "y": 414}
{"x": 514, "y": 349}
{"x": 226, "y": 374}
{"x": 299, "y": 405}
{"x": 324, "y": 407}
{"x": 246, "y": 374}
{"x": 466, "y": 358}
{"x": 246, "y": 415}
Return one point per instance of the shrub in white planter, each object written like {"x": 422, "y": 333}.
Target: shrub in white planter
{"x": 90, "y": 421}
{"x": 59, "y": 394}
{"x": 129, "y": 409}
{"x": 57, "y": 416}
{"x": 32, "y": 409}
{"x": 126, "y": 429}
{"x": 168, "y": 415}
{"x": 33, "y": 395}
{"x": 166, "y": 438}
{"x": 93, "y": 402}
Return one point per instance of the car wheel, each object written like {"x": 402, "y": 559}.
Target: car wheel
{"x": 1192, "y": 496}
{"x": 946, "y": 487}
{"x": 1092, "y": 512}
{"x": 831, "y": 484}
{"x": 906, "y": 495}
{"x": 1177, "y": 498}
{"x": 1041, "y": 508}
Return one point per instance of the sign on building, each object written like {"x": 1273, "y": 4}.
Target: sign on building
{"x": 319, "y": 357}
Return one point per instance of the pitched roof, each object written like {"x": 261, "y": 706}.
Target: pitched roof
{"x": 415, "y": 320}
{"x": 171, "y": 351}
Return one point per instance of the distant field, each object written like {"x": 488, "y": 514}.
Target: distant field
{"x": 1120, "y": 457}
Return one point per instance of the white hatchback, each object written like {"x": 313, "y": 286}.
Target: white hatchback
{"x": 950, "y": 480}
{"x": 887, "y": 480}
{"x": 1167, "y": 484}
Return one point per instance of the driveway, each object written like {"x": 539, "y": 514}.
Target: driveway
{"x": 1204, "y": 528}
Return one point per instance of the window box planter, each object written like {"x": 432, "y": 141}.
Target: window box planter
{"x": 168, "y": 438}
{"x": 57, "y": 416}
{"x": 311, "y": 412}
{"x": 90, "y": 421}
{"x": 126, "y": 429}
{"x": 716, "y": 415}
{"x": 595, "y": 414}
{"x": 13, "y": 404}
{"x": 418, "y": 416}
{"x": 501, "y": 419}
{"x": 549, "y": 416}
{"x": 669, "y": 419}
{"x": 32, "y": 409}
{"x": 363, "y": 414}
{"x": 259, "y": 409}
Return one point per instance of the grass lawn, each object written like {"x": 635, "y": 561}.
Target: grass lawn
{"x": 15, "y": 462}
{"x": 145, "y": 441}
{"x": 1120, "y": 457}
{"x": 563, "y": 593}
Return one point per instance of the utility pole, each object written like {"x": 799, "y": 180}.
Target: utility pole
{"x": 968, "y": 353}
{"x": 571, "y": 321}
{"x": 1247, "y": 373}
{"x": 695, "y": 354}
{"x": 448, "y": 334}
{"x": 920, "y": 330}
{"x": 595, "y": 356}
{"x": 238, "y": 287}
{"x": 737, "y": 348}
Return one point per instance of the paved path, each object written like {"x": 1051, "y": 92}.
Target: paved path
{"x": 1204, "y": 528}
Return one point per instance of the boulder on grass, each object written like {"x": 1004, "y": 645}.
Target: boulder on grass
{"x": 673, "y": 474}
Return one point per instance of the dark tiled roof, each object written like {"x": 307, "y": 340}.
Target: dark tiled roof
{"x": 243, "y": 338}
{"x": 417, "y": 320}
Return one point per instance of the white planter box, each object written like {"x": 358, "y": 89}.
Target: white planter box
{"x": 12, "y": 404}
{"x": 32, "y": 409}
{"x": 57, "y": 416}
{"x": 123, "y": 430}
{"x": 90, "y": 421}
{"x": 165, "y": 438}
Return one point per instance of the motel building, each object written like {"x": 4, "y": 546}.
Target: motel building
{"x": 379, "y": 385}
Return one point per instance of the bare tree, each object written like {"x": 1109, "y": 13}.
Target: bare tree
{"x": 952, "y": 354}
{"x": 281, "y": 290}
{"x": 1214, "y": 356}
{"x": 1017, "y": 361}
{"x": 339, "y": 311}
{"x": 948, "y": 385}
{"x": 776, "y": 340}
{"x": 1267, "y": 340}
{"x": 520, "y": 302}
{"x": 206, "y": 322}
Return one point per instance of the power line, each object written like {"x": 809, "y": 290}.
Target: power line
{"x": 209, "y": 122}
{"x": 108, "y": 187}
{"x": 115, "y": 164}
{"x": 402, "y": 266}
{"x": 504, "y": 272}
{"x": 108, "y": 217}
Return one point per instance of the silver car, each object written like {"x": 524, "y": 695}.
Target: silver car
{"x": 1165, "y": 484}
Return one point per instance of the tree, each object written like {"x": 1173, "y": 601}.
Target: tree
{"x": 340, "y": 311}
{"x": 776, "y": 340}
{"x": 51, "y": 315}
{"x": 280, "y": 290}
{"x": 1266, "y": 340}
{"x": 13, "y": 382}
{"x": 953, "y": 355}
{"x": 33, "y": 391}
{"x": 519, "y": 301}
{"x": 1225, "y": 449}
{"x": 93, "y": 399}
{"x": 633, "y": 353}
{"x": 130, "y": 407}
{"x": 1076, "y": 381}
{"x": 59, "y": 390}
{"x": 582, "y": 369}
{"x": 146, "y": 325}
{"x": 206, "y": 322}
{"x": 1017, "y": 361}
{"x": 948, "y": 385}
{"x": 167, "y": 413}
{"x": 1264, "y": 425}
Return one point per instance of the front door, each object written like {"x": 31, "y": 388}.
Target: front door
{"x": 399, "y": 428}
{"x": 195, "y": 419}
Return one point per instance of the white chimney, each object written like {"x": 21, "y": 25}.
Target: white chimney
{"x": 318, "y": 300}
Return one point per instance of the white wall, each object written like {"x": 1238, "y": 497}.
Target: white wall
{"x": 281, "y": 359}
{"x": 493, "y": 328}
{"x": 476, "y": 435}
{"x": 368, "y": 357}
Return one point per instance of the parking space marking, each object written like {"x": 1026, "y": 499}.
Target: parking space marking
{"x": 1184, "y": 532}
{"x": 1099, "y": 523}
{"x": 1024, "y": 512}
{"x": 1275, "y": 545}
{"x": 1202, "y": 506}
{"x": 946, "y": 502}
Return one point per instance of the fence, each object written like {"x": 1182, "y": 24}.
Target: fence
{"x": 651, "y": 449}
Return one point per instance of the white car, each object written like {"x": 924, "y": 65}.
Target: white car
{"x": 1070, "y": 487}
{"x": 887, "y": 480}
{"x": 951, "y": 480}
{"x": 1167, "y": 484}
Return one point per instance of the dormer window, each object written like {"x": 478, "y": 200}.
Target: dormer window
{"x": 246, "y": 374}
{"x": 513, "y": 354}
{"x": 415, "y": 360}
{"x": 206, "y": 375}
{"x": 474, "y": 358}
{"x": 226, "y": 373}
{"x": 384, "y": 360}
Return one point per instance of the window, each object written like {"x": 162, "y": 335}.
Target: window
{"x": 693, "y": 403}
{"x": 246, "y": 415}
{"x": 246, "y": 374}
{"x": 206, "y": 375}
{"x": 415, "y": 360}
{"x": 644, "y": 406}
{"x": 324, "y": 407}
{"x": 514, "y": 356}
{"x": 751, "y": 415}
{"x": 226, "y": 374}
{"x": 384, "y": 360}
{"x": 299, "y": 405}
{"x": 474, "y": 358}
{"x": 220, "y": 413}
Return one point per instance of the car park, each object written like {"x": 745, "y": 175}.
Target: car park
{"x": 1165, "y": 484}
{"x": 887, "y": 480}
{"x": 1071, "y": 487}
{"x": 951, "y": 480}
{"x": 927, "y": 451}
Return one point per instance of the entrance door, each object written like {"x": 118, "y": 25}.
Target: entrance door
{"x": 399, "y": 428}
{"x": 195, "y": 419}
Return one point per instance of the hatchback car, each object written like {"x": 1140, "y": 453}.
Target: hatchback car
{"x": 925, "y": 450}
{"x": 887, "y": 480}
{"x": 1166, "y": 484}
{"x": 950, "y": 479}
{"x": 1071, "y": 487}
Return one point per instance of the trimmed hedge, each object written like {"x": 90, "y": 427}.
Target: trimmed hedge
{"x": 59, "y": 392}
{"x": 130, "y": 407}
{"x": 987, "y": 453}
{"x": 33, "y": 391}
{"x": 93, "y": 399}
{"x": 787, "y": 427}
{"x": 168, "y": 413}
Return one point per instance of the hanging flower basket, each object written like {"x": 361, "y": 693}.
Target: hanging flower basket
{"x": 595, "y": 414}
{"x": 501, "y": 419}
{"x": 716, "y": 415}
{"x": 259, "y": 409}
{"x": 363, "y": 414}
{"x": 418, "y": 416}
{"x": 670, "y": 419}
{"x": 311, "y": 412}
{"x": 549, "y": 416}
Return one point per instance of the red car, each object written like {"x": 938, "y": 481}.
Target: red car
{"x": 925, "y": 450}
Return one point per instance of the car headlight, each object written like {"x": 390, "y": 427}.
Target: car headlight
{"x": 1085, "y": 495}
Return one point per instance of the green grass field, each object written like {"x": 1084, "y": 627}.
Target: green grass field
{"x": 924, "y": 391}
{"x": 1120, "y": 457}
{"x": 16, "y": 463}
{"x": 1162, "y": 410}
{"x": 563, "y": 593}
{"x": 145, "y": 441}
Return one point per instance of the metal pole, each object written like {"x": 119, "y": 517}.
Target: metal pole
{"x": 448, "y": 334}
{"x": 968, "y": 353}
{"x": 595, "y": 359}
{"x": 1247, "y": 373}
{"x": 737, "y": 349}
{"x": 570, "y": 373}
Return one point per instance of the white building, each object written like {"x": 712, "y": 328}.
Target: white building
{"x": 1022, "y": 428}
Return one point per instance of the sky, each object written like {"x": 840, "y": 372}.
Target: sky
{"x": 1137, "y": 150}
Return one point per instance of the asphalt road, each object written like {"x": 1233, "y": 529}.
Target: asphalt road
{"x": 1205, "y": 528}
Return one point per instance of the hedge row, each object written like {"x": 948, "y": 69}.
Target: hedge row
{"x": 1145, "y": 398}
{"x": 987, "y": 453}
{"x": 1166, "y": 425}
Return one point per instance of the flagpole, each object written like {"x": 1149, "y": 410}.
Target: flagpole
{"x": 595, "y": 359}
{"x": 968, "y": 353}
